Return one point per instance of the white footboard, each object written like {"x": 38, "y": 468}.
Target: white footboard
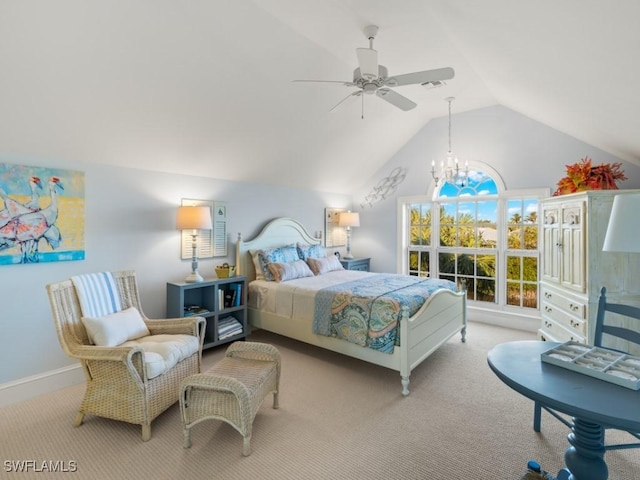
{"x": 435, "y": 323}
{"x": 441, "y": 317}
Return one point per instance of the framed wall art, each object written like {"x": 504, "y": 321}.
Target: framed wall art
{"x": 334, "y": 236}
{"x": 42, "y": 215}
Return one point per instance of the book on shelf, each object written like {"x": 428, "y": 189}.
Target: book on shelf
{"x": 194, "y": 310}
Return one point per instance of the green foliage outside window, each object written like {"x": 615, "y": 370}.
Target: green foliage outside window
{"x": 468, "y": 240}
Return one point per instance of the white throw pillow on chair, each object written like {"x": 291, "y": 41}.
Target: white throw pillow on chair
{"x": 117, "y": 328}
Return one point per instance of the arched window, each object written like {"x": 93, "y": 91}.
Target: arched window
{"x": 475, "y": 232}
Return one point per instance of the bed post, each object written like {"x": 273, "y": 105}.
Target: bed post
{"x": 405, "y": 369}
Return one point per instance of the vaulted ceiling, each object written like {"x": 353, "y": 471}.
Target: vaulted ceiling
{"x": 204, "y": 87}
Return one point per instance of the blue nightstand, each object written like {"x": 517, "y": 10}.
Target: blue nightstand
{"x": 361, "y": 264}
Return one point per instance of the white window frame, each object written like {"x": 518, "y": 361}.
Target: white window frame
{"x": 502, "y": 198}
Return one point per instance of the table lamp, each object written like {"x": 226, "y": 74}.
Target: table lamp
{"x": 194, "y": 218}
{"x": 623, "y": 231}
{"x": 349, "y": 220}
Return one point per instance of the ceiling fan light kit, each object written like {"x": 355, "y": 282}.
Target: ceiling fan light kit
{"x": 371, "y": 78}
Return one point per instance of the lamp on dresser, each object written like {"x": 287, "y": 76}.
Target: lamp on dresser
{"x": 349, "y": 220}
{"x": 194, "y": 218}
{"x": 623, "y": 231}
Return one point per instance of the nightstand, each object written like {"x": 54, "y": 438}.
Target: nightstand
{"x": 221, "y": 301}
{"x": 361, "y": 264}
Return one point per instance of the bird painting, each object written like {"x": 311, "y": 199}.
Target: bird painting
{"x": 26, "y": 224}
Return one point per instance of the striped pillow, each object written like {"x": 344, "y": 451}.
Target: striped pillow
{"x": 289, "y": 271}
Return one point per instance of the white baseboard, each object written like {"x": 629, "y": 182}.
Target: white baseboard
{"x": 504, "y": 319}
{"x": 29, "y": 387}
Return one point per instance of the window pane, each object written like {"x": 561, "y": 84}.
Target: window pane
{"x": 513, "y": 294}
{"x": 530, "y": 293}
{"x": 530, "y": 211}
{"x": 530, "y": 269}
{"x": 514, "y": 212}
{"x": 447, "y": 263}
{"x": 514, "y": 235}
{"x": 513, "y": 268}
{"x": 447, "y": 214}
{"x": 424, "y": 262}
{"x": 488, "y": 212}
{"x": 413, "y": 260}
{"x": 466, "y": 265}
{"x": 425, "y": 236}
{"x": 486, "y": 266}
{"x": 467, "y": 237}
{"x": 486, "y": 290}
{"x": 471, "y": 288}
{"x": 531, "y": 237}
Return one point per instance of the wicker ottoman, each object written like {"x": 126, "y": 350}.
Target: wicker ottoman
{"x": 232, "y": 390}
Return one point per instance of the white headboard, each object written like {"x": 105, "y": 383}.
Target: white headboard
{"x": 277, "y": 233}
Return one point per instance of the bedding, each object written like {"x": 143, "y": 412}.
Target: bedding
{"x": 360, "y": 307}
{"x": 367, "y": 311}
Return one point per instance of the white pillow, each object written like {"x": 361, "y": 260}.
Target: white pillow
{"x": 289, "y": 271}
{"x": 117, "y": 328}
{"x": 328, "y": 264}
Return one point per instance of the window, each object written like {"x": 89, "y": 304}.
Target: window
{"x": 479, "y": 235}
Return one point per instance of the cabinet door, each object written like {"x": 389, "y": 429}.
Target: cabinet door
{"x": 551, "y": 245}
{"x": 572, "y": 274}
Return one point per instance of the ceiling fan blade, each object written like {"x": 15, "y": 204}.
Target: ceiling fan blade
{"x": 438, "y": 74}
{"x": 348, "y": 84}
{"x": 403, "y": 103}
{"x": 349, "y": 97}
{"x": 368, "y": 62}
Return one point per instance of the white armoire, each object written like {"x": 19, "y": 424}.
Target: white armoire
{"x": 574, "y": 267}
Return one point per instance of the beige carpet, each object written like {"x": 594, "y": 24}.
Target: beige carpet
{"x": 339, "y": 418}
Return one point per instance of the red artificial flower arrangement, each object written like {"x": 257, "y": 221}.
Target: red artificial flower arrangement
{"x": 583, "y": 176}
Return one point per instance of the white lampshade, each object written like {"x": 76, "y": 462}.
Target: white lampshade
{"x": 349, "y": 219}
{"x": 194, "y": 218}
{"x": 623, "y": 232}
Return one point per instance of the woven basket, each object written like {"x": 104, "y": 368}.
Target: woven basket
{"x": 225, "y": 271}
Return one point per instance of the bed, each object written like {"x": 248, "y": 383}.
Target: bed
{"x": 442, "y": 315}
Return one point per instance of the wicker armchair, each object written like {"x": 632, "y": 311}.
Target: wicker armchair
{"x": 117, "y": 386}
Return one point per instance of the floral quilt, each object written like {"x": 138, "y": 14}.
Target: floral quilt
{"x": 367, "y": 311}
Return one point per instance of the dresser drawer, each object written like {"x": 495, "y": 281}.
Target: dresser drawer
{"x": 574, "y": 307}
{"x": 553, "y": 331}
{"x": 552, "y": 312}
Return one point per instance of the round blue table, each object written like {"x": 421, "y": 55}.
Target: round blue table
{"x": 594, "y": 404}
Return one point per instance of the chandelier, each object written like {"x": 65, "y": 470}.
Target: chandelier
{"x": 450, "y": 167}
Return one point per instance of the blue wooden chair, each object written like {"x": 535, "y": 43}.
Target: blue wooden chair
{"x": 630, "y": 334}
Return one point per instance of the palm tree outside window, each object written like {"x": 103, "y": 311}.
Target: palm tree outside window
{"x": 480, "y": 235}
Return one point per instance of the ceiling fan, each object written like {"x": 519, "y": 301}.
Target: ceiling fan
{"x": 372, "y": 78}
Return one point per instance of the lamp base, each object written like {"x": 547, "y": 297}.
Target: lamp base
{"x": 194, "y": 277}
{"x": 348, "y": 256}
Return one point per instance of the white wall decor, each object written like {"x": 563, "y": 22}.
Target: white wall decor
{"x": 334, "y": 236}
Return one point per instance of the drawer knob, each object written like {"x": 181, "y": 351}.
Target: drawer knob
{"x": 547, "y": 324}
{"x": 548, "y": 309}
{"x": 574, "y": 324}
{"x": 574, "y": 307}
{"x": 547, "y": 295}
